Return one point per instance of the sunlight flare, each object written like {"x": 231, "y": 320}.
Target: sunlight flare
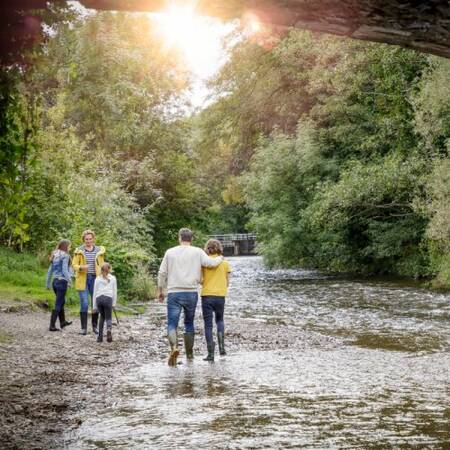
{"x": 197, "y": 37}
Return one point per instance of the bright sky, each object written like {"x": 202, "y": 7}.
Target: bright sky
{"x": 199, "y": 38}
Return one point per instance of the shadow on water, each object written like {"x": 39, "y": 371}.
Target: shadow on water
{"x": 385, "y": 386}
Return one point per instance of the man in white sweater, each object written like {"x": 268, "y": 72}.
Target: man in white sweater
{"x": 180, "y": 273}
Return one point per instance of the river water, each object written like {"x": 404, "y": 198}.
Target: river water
{"x": 381, "y": 382}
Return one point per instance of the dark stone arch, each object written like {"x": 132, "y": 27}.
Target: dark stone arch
{"x": 420, "y": 25}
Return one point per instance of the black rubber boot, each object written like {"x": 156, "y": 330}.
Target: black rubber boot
{"x": 95, "y": 322}
{"x": 83, "y": 320}
{"x": 174, "y": 352}
{"x": 221, "y": 341}
{"x": 189, "y": 345}
{"x": 100, "y": 330}
{"x": 53, "y": 318}
{"x": 210, "y": 346}
{"x": 62, "y": 319}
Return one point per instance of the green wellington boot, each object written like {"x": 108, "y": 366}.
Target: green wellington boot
{"x": 189, "y": 345}
{"x": 174, "y": 352}
{"x": 221, "y": 341}
{"x": 210, "y": 346}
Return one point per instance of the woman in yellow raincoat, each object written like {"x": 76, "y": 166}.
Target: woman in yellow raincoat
{"x": 87, "y": 262}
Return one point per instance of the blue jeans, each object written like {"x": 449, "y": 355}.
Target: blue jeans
{"x": 213, "y": 305}
{"x": 60, "y": 289}
{"x": 84, "y": 295}
{"x": 177, "y": 301}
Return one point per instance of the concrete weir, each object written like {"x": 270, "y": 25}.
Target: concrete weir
{"x": 237, "y": 244}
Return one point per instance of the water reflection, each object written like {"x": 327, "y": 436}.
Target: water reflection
{"x": 267, "y": 399}
{"x": 186, "y": 381}
{"x": 387, "y": 386}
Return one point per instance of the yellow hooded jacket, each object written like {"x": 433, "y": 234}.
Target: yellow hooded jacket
{"x": 79, "y": 260}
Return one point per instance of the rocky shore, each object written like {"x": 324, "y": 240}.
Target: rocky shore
{"x": 49, "y": 380}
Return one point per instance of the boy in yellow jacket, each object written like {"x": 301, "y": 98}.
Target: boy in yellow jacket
{"x": 87, "y": 263}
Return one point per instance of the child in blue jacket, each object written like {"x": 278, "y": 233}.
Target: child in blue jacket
{"x": 61, "y": 273}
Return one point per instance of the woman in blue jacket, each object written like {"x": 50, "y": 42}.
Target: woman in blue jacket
{"x": 61, "y": 273}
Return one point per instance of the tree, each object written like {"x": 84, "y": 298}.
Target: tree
{"x": 19, "y": 119}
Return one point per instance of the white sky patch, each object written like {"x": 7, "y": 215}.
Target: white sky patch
{"x": 199, "y": 39}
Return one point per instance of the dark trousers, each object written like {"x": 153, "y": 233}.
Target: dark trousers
{"x": 213, "y": 306}
{"x": 60, "y": 289}
{"x": 104, "y": 307}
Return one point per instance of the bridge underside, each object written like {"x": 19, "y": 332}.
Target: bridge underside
{"x": 421, "y": 25}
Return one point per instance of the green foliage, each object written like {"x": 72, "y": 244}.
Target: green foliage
{"x": 436, "y": 206}
{"x": 106, "y": 148}
{"x": 141, "y": 285}
{"x": 18, "y": 115}
{"x": 339, "y": 177}
{"x": 22, "y": 277}
{"x": 281, "y": 183}
{"x": 442, "y": 279}
{"x": 432, "y": 106}
{"x": 432, "y": 121}
{"x": 334, "y": 150}
{"x": 71, "y": 193}
{"x": 95, "y": 137}
{"x": 370, "y": 218}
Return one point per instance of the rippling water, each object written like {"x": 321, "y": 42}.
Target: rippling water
{"x": 385, "y": 386}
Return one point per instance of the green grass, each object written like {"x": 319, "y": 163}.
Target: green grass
{"x": 22, "y": 278}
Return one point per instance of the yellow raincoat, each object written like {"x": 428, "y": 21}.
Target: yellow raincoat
{"x": 79, "y": 260}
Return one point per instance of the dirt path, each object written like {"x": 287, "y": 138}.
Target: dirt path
{"x": 49, "y": 380}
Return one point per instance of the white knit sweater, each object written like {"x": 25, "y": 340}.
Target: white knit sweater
{"x": 181, "y": 268}
{"x": 106, "y": 287}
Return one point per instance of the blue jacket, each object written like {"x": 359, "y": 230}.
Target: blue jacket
{"x": 59, "y": 267}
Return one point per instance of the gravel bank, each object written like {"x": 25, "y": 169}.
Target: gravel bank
{"x": 49, "y": 380}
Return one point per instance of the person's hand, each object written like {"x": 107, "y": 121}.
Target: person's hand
{"x": 161, "y": 297}
{"x": 94, "y": 311}
{"x": 84, "y": 267}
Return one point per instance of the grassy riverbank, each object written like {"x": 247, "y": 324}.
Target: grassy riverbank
{"x": 22, "y": 279}
{"x": 22, "y": 282}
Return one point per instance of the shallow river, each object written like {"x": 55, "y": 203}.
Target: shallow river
{"x": 383, "y": 383}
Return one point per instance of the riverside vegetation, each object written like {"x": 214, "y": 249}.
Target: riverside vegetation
{"x": 334, "y": 151}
